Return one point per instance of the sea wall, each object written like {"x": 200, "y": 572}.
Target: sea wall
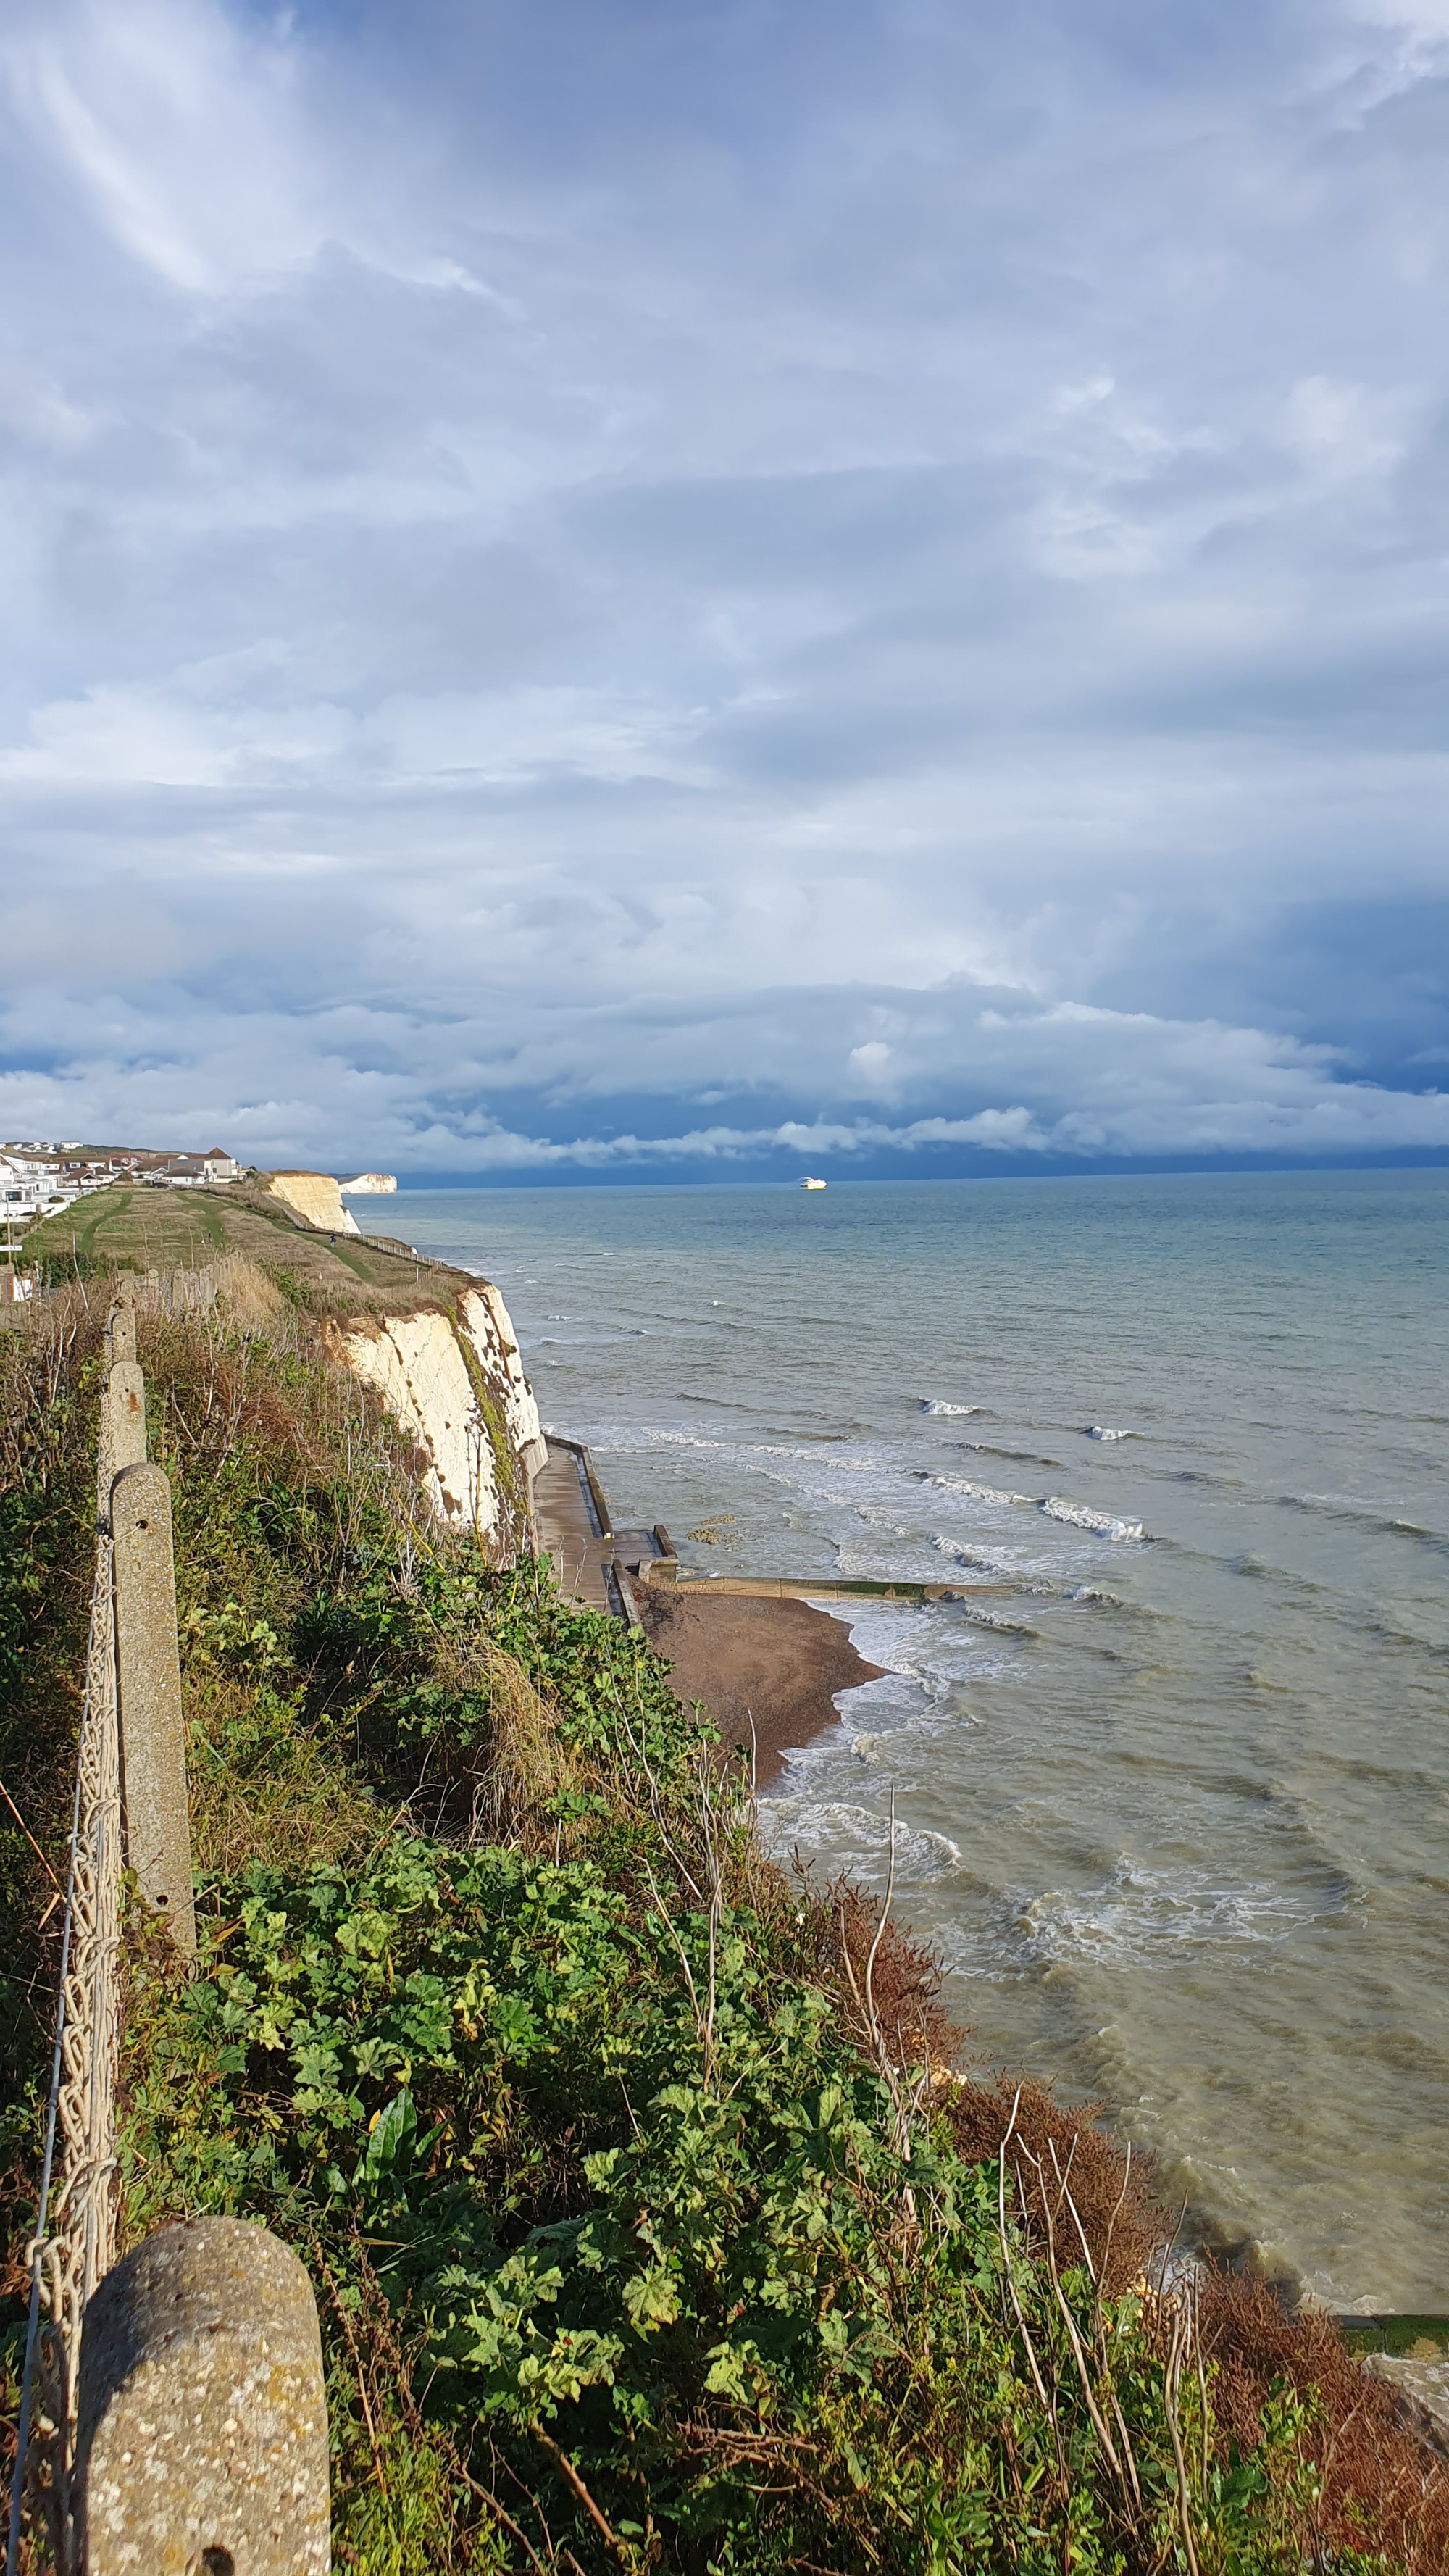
{"x": 453, "y": 1378}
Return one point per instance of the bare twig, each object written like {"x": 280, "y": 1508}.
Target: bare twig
{"x": 571, "y": 2477}
{"x": 881, "y": 1925}
{"x": 486, "y": 2496}
{"x": 30, "y": 1838}
{"x": 1027, "y": 2345}
{"x": 1172, "y": 2376}
{"x": 1099, "y": 2421}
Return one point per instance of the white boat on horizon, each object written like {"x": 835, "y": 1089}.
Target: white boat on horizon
{"x": 812, "y": 1185}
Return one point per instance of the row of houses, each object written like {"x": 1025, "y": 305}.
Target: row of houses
{"x": 38, "y": 1178}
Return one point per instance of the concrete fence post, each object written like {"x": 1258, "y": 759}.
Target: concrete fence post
{"x": 121, "y": 1331}
{"x": 126, "y": 1392}
{"x": 148, "y": 1677}
{"x": 201, "y": 2435}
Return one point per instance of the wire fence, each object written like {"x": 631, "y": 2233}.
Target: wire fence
{"x": 74, "y": 2241}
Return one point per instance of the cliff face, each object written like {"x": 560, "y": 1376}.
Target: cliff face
{"x": 453, "y": 1378}
{"x": 315, "y": 1197}
{"x": 489, "y": 1326}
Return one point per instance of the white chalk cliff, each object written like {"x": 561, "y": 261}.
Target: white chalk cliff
{"x": 489, "y": 1326}
{"x": 316, "y": 1198}
{"x": 456, "y": 1384}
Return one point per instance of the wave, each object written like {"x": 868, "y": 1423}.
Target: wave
{"x": 1364, "y": 1515}
{"x": 984, "y": 1560}
{"x": 1081, "y": 1516}
{"x": 1088, "y": 1595}
{"x": 1055, "y": 1506}
{"x": 981, "y": 1493}
{"x": 933, "y": 1404}
{"x": 1104, "y": 1431}
{"x": 1018, "y": 1457}
{"x": 1139, "y": 1910}
{"x": 859, "y": 1837}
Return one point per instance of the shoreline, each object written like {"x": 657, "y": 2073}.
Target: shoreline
{"x": 778, "y": 1662}
{"x": 768, "y": 1648}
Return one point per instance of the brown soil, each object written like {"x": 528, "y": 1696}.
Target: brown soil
{"x": 779, "y": 1662}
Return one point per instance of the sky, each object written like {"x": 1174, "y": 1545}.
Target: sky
{"x": 615, "y": 589}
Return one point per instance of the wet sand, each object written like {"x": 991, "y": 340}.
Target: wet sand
{"x": 778, "y": 1661}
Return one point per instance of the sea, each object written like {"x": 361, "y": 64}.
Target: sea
{"x": 1170, "y": 1779}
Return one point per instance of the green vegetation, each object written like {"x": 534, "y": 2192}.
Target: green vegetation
{"x": 142, "y": 1228}
{"x": 1419, "y": 2338}
{"x": 649, "y": 2230}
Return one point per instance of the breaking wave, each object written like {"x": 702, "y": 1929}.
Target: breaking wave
{"x": 1080, "y": 1515}
{"x": 983, "y": 1493}
{"x": 1144, "y": 1915}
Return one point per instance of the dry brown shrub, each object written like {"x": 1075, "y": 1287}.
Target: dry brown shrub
{"x": 500, "y": 1788}
{"x": 245, "y": 1293}
{"x": 1055, "y": 2152}
{"x": 1382, "y": 2487}
{"x": 905, "y": 1977}
{"x": 1125, "y": 2226}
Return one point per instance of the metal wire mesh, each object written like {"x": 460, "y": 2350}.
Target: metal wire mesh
{"x": 74, "y": 2241}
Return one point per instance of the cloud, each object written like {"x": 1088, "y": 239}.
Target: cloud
{"x": 590, "y": 593}
{"x": 338, "y": 1076}
{"x": 177, "y": 124}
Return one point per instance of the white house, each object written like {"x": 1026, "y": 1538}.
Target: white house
{"x": 25, "y": 1181}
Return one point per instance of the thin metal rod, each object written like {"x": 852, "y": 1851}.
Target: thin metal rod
{"x": 22, "y": 2432}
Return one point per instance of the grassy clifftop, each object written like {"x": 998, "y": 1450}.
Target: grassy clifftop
{"x": 648, "y": 2227}
{"x": 139, "y": 1228}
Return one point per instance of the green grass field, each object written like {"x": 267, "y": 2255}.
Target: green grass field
{"x": 130, "y": 1228}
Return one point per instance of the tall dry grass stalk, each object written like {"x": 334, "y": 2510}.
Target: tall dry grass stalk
{"x": 526, "y": 1771}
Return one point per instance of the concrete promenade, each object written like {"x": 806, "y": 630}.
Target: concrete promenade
{"x": 571, "y": 1528}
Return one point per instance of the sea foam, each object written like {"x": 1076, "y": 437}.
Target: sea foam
{"x": 1106, "y": 1524}
{"x": 985, "y": 1493}
{"x": 1055, "y": 1506}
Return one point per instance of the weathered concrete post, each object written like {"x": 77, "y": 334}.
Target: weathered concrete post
{"x": 201, "y": 2440}
{"x": 148, "y": 1677}
{"x": 126, "y": 1395}
{"x": 121, "y": 1329}
{"x": 120, "y": 1346}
